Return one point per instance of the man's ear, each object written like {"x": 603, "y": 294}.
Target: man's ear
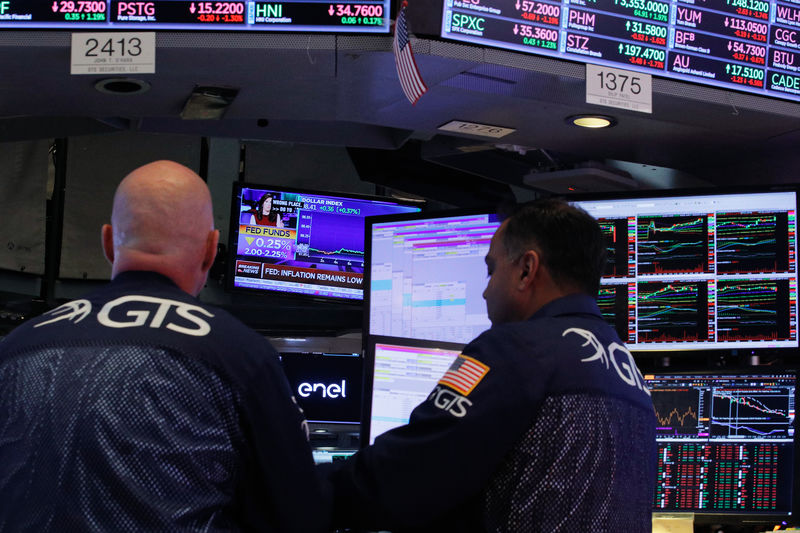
{"x": 529, "y": 266}
{"x": 211, "y": 249}
{"x": 107, "y": 241}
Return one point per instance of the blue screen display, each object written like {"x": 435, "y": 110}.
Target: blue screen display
{"x": 301, "y": 242}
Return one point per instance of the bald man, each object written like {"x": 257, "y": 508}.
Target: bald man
{"x": 138, "y": 408}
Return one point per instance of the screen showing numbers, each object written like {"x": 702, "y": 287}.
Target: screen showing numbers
{"x": 748, "y": 45}
{"x": 369, "y": 16}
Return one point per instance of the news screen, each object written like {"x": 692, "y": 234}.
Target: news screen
{"x": 298, "y": 242}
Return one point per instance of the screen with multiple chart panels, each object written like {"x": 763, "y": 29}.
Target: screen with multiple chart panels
{"x": 725, "y": 442}
{"x": 705, "y": 271}
{"x": 327, "y": 386}
{"x": 748, "y": 45}
{"x": 404, "y": 374}
{"x": 301, "y": 242}
{"x": 427, "y": 276}
{"x": 343, "y": 16}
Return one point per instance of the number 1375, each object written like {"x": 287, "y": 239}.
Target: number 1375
{"x": 619, "y": 82}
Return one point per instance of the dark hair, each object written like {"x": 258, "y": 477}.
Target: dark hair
{"x": 568, "y": 239}
{"x": 273, "y": 214}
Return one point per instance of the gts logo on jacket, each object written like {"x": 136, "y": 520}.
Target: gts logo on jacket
{"x": 450, "y": 401}
{"x": 137, "y": 311}
{"x": 625, "y": 369}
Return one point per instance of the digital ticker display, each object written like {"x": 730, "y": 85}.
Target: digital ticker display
{"x": 313, "y": 16}
{"x": 698, "y": 272}
{"x": 750, "y": 45}
{"x": 300, "y": 242}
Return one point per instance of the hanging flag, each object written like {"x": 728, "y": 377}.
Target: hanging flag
{"x": 407, "y": 71}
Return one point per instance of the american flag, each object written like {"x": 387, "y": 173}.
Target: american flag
{"x": 464, "y": 374}
{"x": 407, "y": 71}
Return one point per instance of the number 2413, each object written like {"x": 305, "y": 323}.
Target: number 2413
{"x": 131, "y": 47}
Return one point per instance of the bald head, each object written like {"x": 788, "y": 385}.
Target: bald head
{"x": 162, "y": 220}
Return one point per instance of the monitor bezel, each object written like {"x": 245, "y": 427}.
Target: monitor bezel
{"x": 711, "y": 351}
{"x": 733, "y": 517}
{"x": 370, "y": 341}
{"x": 233, "y": 238}
{"x": 407, "y": 217}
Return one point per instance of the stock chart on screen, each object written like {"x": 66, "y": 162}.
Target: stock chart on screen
{"x": 725, "y": 442}
{"x": 704, "y": 271}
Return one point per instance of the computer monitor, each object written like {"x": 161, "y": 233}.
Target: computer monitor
{"x": 427, "y": 275}
{"x": 293, "y": 241}
{"x": 726, "y": 442}
{"x": 700, "y": 271}
{"x": 327, "y": 386}
{"x": 400, "y": 375}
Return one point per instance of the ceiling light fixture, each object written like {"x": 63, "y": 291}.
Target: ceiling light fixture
{"x": 122, "y": 86}
{"x": 592, "y": 121}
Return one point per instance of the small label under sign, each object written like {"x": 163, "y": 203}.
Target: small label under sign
{"x": 614, "y": 87}
{"x": 113, "y": 53}
{"x": 473, "y": 128}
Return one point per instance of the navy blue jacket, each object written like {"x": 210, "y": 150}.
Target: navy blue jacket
{"x": 138, "y": 408}
{"x": 545, "y": 425}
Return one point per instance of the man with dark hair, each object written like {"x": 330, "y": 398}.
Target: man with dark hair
{"x": 542, "y": 226}
{"x": 543, "y": 424}
{"x": 138, "y": 408}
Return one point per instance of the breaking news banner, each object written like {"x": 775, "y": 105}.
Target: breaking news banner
{"x": 257, "y": 270}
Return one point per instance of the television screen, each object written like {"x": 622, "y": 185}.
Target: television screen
{"x": 427, "y": 276}
{"x": 300, "y": 242}
{"x": 700, "y": 271}
{"x": 327, "y": 386}
{"x": 401, "y": 373}
{"x": 725, "y": 441}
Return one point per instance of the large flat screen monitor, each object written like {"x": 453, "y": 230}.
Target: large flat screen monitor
{"x": 300, "y": 242}
{"x": 700, "y": 271}
{"x": 427, "y": 275}
{"x": 401, "y": 373}
{"x": 726, "y": 442}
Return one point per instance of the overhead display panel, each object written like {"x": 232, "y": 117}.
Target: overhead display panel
{"x": 303, "y": 16}
{"x": 749, "y": 45}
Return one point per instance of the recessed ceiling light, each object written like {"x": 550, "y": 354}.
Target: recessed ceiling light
{"x": 592, "y": 121}
{"x": 122, "y": 86}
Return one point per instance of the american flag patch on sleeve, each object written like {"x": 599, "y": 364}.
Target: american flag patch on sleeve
{"x": 464, "y": 374}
